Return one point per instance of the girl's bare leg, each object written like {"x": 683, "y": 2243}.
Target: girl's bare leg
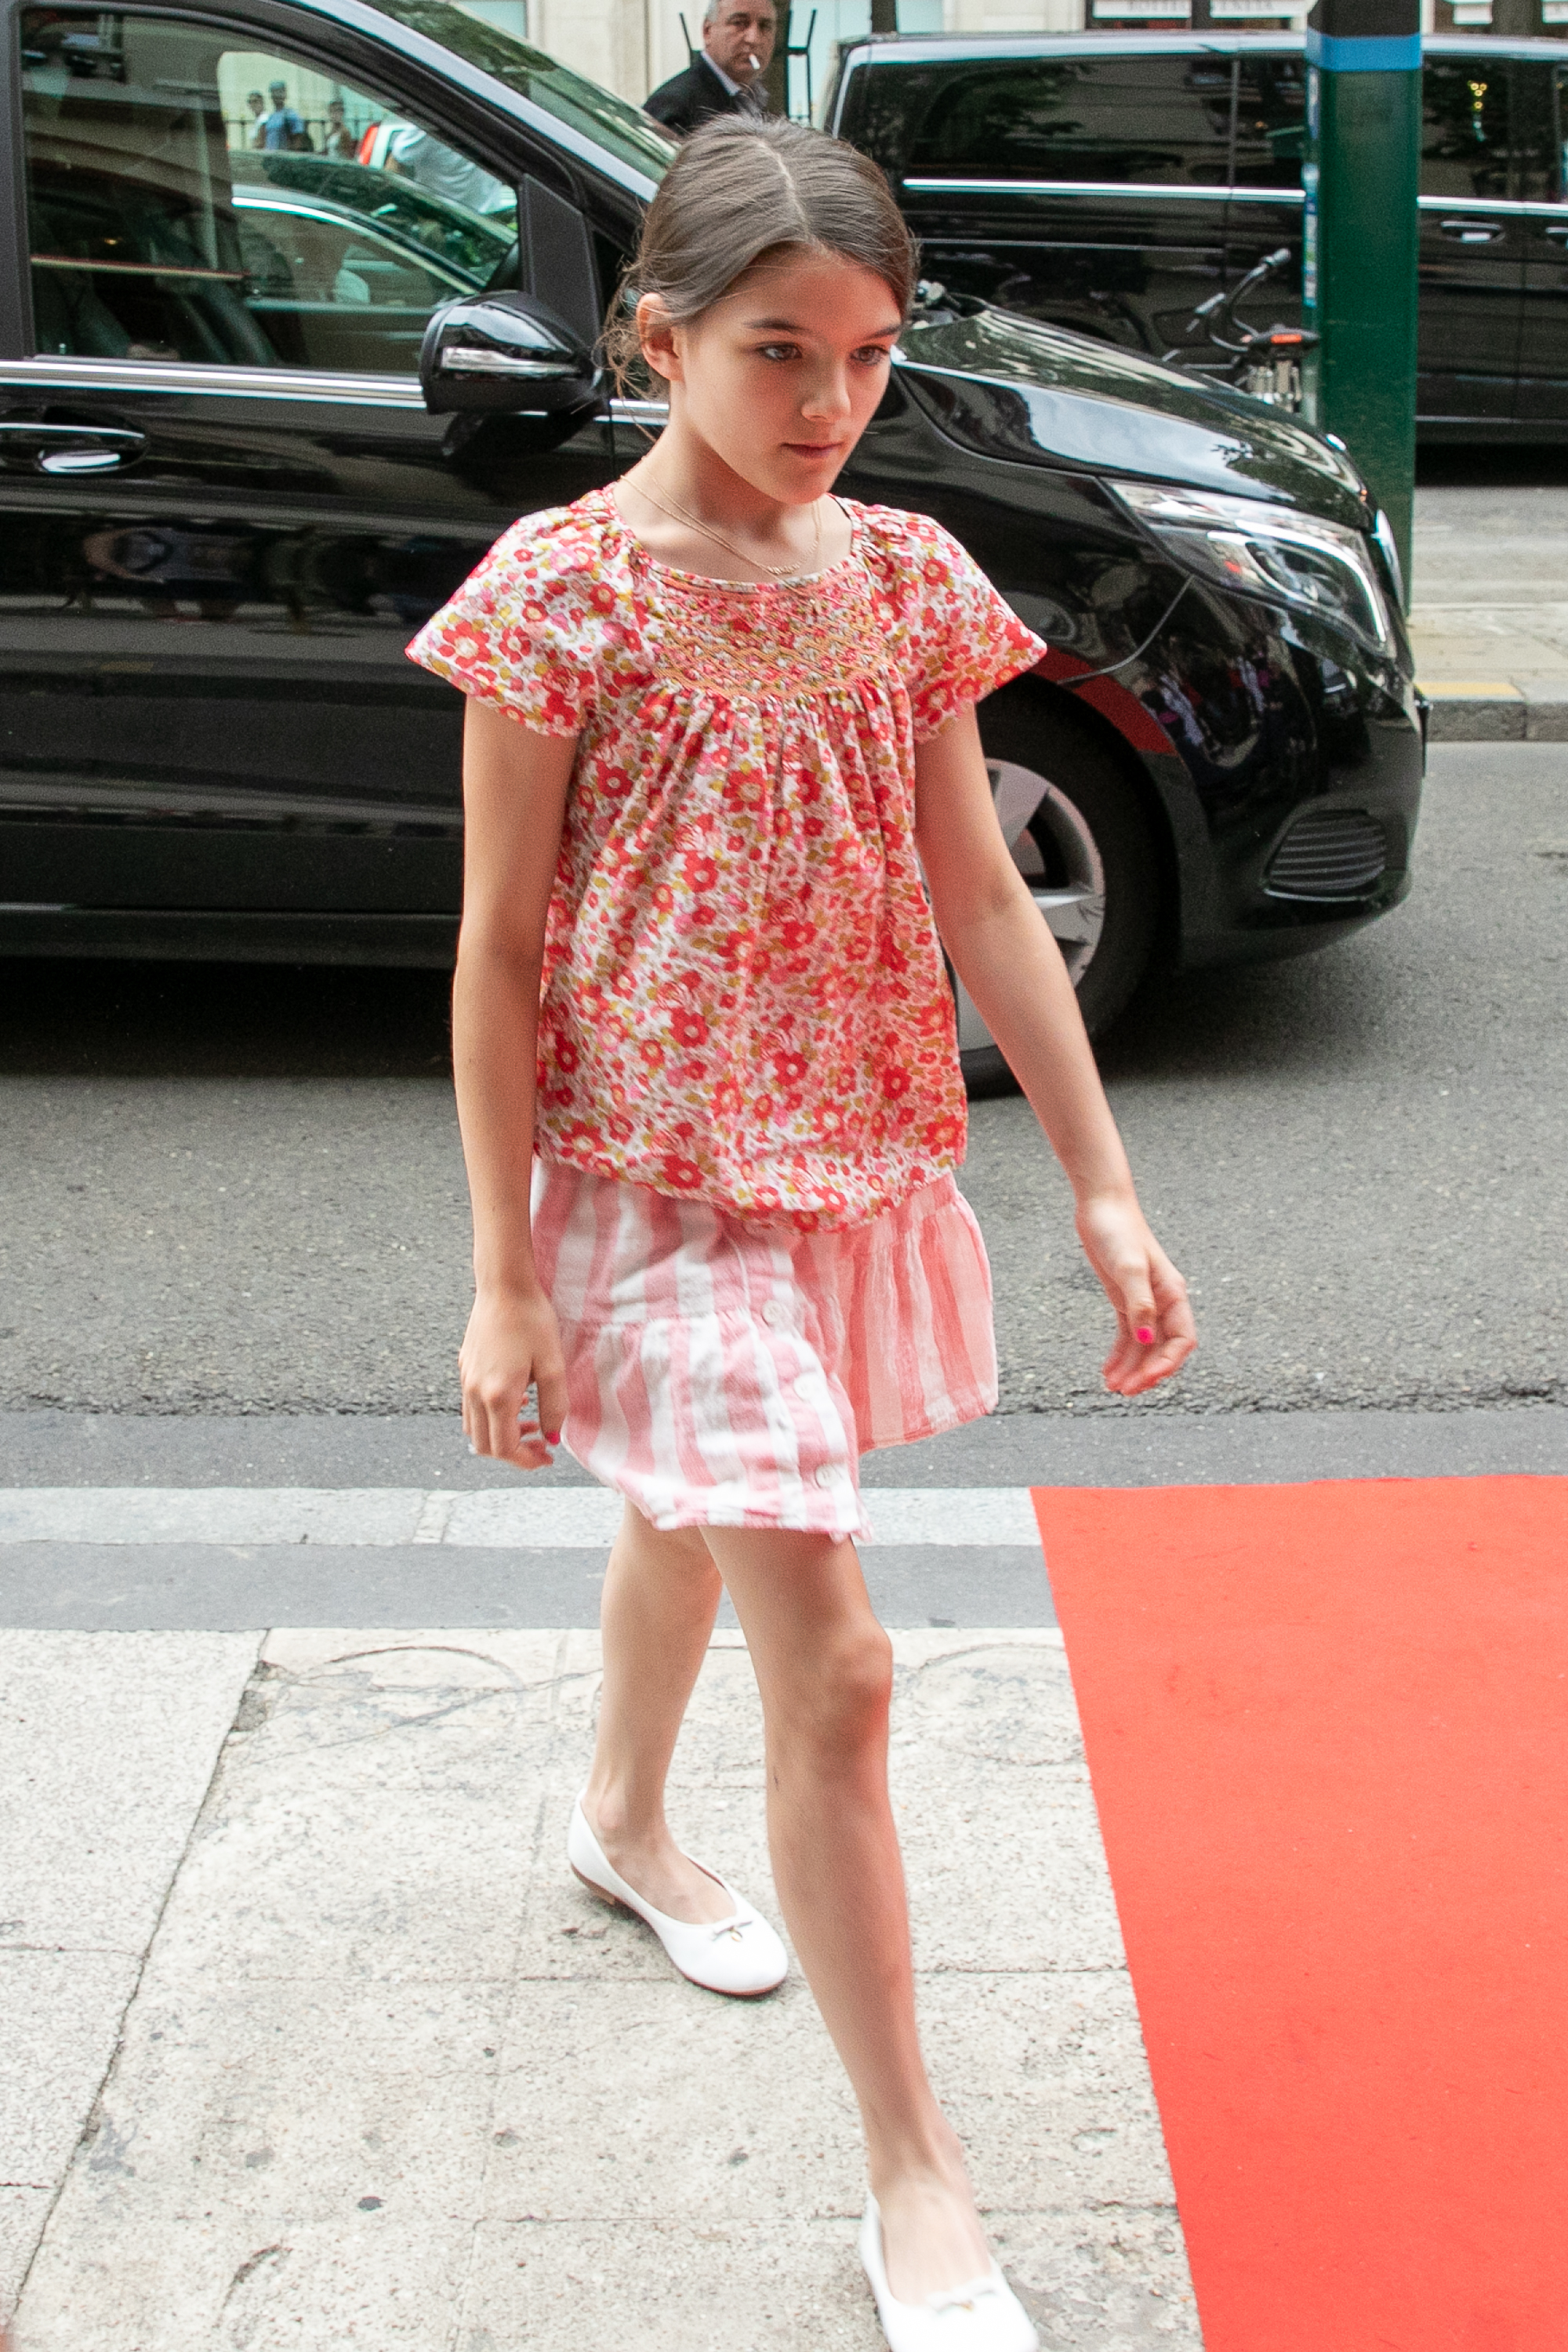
{"x": 824, "y": 1668}
{"x": 661, "y": 1592}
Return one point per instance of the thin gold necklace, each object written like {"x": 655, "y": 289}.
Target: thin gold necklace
{"x": 777, "y": 570}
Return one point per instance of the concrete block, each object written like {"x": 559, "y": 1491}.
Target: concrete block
{"x": 653, "y": 2101}
{"x": 501, "y": 1655}
{"x": 1006, "y": 1700}
{"x": 62, "y": 2013}
{"x": 1103, "y": 2280}
{"x": 107, "y": 1743}
{"x": 22, "y": 2212}
{"x": 1002, "y": 1845}
{"x": 996, "y": 1893}
{"x": 1043, "y": 2078}
{"x": 1475, "y": 711}
{"x": 263, "y": 2150}
{"x": 720, "y": 1745}
{"x": 1545, "y": 710}
{"x": 376, "y": 1817}
{"x": 729, "y": 2285}
{"x": 1095, "y": 2282}
{"x": 370, "y": 2090}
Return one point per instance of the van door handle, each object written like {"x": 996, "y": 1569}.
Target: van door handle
{"x": 1557, "y": 232}
{"x": 1470, "y": 231}
{"x": 31, "y": 449}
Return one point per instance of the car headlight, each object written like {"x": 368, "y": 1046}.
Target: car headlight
{"x": 1274, "y": 553}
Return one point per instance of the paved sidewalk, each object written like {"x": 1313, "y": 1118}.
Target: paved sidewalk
{"x": 1489, "y": 616}
{"x": 314, "y": 2041}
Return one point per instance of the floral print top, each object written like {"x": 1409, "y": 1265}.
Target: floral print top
{"x": 743, "y": 997}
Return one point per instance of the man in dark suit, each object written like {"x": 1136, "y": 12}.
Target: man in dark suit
{"x": 738, "y": 39}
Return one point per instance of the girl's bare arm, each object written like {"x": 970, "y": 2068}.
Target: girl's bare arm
{"x": 514, "y": 803}
{"x": 1013, "y": 968}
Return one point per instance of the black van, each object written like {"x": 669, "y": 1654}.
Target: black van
{"x": 297, "y": 305}
{"x": 1110, "y": 183}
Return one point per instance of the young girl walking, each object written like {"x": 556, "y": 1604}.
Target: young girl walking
{"x": 720, "y": 722}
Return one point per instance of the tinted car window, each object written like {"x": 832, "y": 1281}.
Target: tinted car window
{"x": 189, "y": 200}
{"x": 625, "y": 130}
{"x": 1270, "y": 122}
{"x": 1465, "y": 127}
{"x": 1163, "y": 122}
{"x": 1536, "y": 132}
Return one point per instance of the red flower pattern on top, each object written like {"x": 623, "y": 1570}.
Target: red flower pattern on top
{"x": 743, "y": 995}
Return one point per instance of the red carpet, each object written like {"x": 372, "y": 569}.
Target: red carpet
{"x": 1327, "y": 1733}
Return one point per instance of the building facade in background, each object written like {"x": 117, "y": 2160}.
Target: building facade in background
{"x": 631, "y": 45}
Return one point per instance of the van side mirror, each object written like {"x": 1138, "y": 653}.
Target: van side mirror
{"x": 495, "y": 354}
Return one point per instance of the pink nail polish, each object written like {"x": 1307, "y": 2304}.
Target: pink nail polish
{"x": 553, "y": 1438}
{"x": 1145, "y": 1335}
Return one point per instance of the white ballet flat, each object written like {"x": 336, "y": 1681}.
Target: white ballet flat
{"x": 984, "y": 2316}
{"x": 739, "y": 1955}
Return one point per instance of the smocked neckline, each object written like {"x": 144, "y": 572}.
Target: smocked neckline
{"x": 706, "y": 580}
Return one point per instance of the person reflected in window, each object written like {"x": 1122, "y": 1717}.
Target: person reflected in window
{"x": 283, "y": 127}
{"x": 738, "y": 39}
{"x": 339, "y": 141}
{"x": 440, "y": 171}
{"x": 258, "y": 106}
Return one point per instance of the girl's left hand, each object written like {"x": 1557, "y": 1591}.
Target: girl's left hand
{"x": 1155, "y": 1329}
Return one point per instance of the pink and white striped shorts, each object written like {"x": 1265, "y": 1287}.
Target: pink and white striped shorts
{"x": 722, "y": 1373}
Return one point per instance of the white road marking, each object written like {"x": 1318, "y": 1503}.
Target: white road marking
{"x": 499, "y": 1518}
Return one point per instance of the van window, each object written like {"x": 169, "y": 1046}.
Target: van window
{"x": 1536, "y": 129}
{"x": 1465, "y": 127}
{"x": 191, "y": 200}
{"x": 1270, "y": 122}
{"x": 1130, "y": 121}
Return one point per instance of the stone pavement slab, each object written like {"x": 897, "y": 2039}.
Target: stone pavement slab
{"x": 389, "y": 2075}
{"x": 107, "y": 1747}
{"x": 1488, "y": 620}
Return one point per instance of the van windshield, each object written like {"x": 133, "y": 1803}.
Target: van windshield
{"x": 631, "y": 136}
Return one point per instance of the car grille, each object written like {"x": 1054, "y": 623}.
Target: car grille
{"x": 1329, "y": 854}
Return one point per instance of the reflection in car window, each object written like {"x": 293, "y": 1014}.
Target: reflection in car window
{"x": 190, "y": 200}
{"x": 1535, "y": 132}
{"x": 1159, "y": 121}
{"x": 1270, "y": 122}
{"x": 1464, "y": 127}
{"x": 623, "y": 130}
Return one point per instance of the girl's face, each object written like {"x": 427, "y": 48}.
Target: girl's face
{"x": 783, "y": 375}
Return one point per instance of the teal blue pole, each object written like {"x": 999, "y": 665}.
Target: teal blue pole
{"x": 1361, "y": 181}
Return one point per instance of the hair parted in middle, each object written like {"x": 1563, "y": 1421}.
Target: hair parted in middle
{"x": 742, "y": 191}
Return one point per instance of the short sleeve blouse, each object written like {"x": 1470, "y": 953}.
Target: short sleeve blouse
{"x": 744, "y": 999}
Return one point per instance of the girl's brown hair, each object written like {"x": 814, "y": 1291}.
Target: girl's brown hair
{"x": 741, "y": 191}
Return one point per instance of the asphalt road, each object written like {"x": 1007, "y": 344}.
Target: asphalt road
{"x": 240, "y": 1191}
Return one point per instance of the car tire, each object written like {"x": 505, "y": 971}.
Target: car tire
{"x": 1089, "y": 835}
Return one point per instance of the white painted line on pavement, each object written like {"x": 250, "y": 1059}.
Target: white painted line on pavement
{"x": 952, "y": 1515}
{"x": 554, "y": 1519}
{"x": 210, "y": 1515}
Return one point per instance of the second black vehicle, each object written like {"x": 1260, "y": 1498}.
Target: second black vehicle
{"x": 1112, "y": 182}
{"x": 271, "y": 381}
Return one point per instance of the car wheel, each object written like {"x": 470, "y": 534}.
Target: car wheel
{"x": 1082, "y": 843}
